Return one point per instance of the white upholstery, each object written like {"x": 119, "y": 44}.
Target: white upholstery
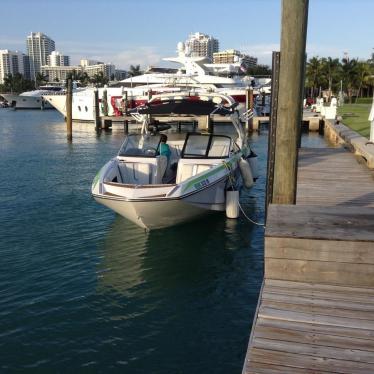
{"x": 161, "y": 165}
{"x": 186, "y": 171}
{"x": 136, "y": 173}
{"x": 220, "y": 147}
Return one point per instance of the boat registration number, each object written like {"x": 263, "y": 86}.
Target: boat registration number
{"x": 201, "y": 184}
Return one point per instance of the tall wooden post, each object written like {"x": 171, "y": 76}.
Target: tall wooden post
{"x": 272, "y": 129}
{"x": 105, "y": 101}
{"x": 125, "y": 98}
{"x": 249, "y": 106}
{"x": 97, "y": 110}
{"x": 69, "y": 109}
{"x": 291, "y": 80}
{"x": 149, "y": 99}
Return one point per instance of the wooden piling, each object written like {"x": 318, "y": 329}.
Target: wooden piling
{"x": 107, "y": 124}
{"x": 149, "y": 98}
{"x": 293, "y": 38}
{"x": 272, "y": 129}
{"x": 97, "y": 110}
{"x": 126, "y": 126}
{"x": 69, "y": 109}
{"x": 125, "y": 101}
{"x": 249, "y": 106}
{"x": 204, "y": 123}
{"x": 105, "y": 102}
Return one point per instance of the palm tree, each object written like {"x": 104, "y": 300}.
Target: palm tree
{"x": 84, "y": 79}
{"x": 134, "y": 71}
{"x": 349, "y": 75}
{"x": 363, "y": 75}
{"x": 258, "y": 70}
{"x": 331, "y": 69}
{"x": 99, "y": 79}
{"x": 40, "y": 79}
{"x": 16, "y": 83}
{"x": 313, "y": 74}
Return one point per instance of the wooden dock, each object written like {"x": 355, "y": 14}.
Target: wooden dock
{"x": 316, "y": 308}
{"x": 312, "y": 121}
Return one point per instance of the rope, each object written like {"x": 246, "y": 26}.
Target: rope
{"x": 250, "y": 220}
{"x": 240, "y": 207}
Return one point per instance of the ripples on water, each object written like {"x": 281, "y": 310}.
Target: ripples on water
{"x": 82, "y": 289}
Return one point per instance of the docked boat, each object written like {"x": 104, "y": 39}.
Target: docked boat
{"x": 32, "y": 99}
{"x": 193, "y": 73}
{"x": 155, "y": 191}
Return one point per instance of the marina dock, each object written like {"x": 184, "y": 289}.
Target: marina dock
{"x": 311, "y": 121}
{"x": 316, "y": 308}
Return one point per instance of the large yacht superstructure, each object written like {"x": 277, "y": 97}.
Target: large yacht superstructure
{"x": 192, "y": 74}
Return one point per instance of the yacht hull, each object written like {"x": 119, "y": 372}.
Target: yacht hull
{"x": 27, "y": 102}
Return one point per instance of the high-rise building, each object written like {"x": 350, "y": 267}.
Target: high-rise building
{"x": 86, "y": 62}
{"x": 12, "y": 62}
{"x": 232, "y": 56}
{"x": 57, "y": 59}
{"x": 26, "y": 66}
{"x": 60, "y": 73}
{"x": 201, "y": 45}
{"x": 39, "y": 47}
{"x": 108, "y": 70}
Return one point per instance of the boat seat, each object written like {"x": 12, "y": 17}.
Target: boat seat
{"x": 161, "y": 165}
{"x": 135, "y": 173}
{"x": 186, "y": 171}
{"x": 219, "y": 151}
{"x": 220, "y": 147}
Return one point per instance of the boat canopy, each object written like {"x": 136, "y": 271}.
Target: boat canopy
{"x": 189, "y": 105}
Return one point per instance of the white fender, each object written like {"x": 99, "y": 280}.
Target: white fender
{"x": 232, "y": 204}
{"x": 246, "y": 172}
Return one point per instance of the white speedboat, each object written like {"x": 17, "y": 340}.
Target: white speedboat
{"x": 32, "y": 99}
{"x": 154, "y": 192}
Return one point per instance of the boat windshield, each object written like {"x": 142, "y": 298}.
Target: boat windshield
{"x": 140, "y": 145}
{"x": 206, "y": 146}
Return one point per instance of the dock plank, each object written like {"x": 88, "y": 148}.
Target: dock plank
{"x": 311, "y": 349}
{"x": 310, "y": 335}
{"x": 308, "y": 362}
{"x": 327, "y": 272}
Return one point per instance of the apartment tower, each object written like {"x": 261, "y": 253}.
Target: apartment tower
{"x": 57, "y": 59}
{"x": 201, "y": 45}
{"x": 39, "y": 47}
{"x": 13, "y": 62}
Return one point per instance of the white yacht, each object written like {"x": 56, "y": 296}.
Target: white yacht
{"x": 193, "y": 73}
{"x": 155, "y": 191}
{"x": 32, "y": 99}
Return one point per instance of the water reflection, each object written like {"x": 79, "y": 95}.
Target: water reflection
{"x": 161, "y": 258}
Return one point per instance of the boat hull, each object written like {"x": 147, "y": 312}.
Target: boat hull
{"x": 26, "y": 102}
{"x": 152, "y": 215}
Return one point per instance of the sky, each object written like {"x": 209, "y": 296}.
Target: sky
{"x": 125, "y": 32}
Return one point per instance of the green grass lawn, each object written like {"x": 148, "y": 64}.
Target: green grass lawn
{"x": 356, "y": 117}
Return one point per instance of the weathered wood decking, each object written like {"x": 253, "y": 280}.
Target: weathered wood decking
{"x": 316, "y": 307}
